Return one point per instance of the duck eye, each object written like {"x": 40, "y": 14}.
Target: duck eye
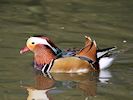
{"x": 33, "y": 43}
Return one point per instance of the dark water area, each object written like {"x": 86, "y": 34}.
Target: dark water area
{"x": 109, "y": 22}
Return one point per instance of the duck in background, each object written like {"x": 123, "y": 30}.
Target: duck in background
{"x": 49, "y": 58}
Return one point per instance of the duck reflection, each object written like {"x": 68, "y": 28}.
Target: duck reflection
{"x": 84, "y": 82}
{"x": 47, "y": 83}
{"x": 40, "y": 89}
{"x": 104, "y": 76}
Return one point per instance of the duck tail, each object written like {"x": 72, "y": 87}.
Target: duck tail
{"x": 106, "y": 52}
{"x": 106, "y": 57}
{"x": 89, "y": 50}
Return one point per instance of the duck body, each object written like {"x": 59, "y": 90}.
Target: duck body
{"x": 49, "y": 58}
{"x": 72, "y": 65}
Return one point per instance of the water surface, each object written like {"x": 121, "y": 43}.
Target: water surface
{"x": 108, "y": 22}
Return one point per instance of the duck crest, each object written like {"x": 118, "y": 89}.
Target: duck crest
{"x": 55, "y": 48}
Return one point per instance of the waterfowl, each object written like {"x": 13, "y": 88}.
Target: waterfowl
{"x": 49, "y": 58}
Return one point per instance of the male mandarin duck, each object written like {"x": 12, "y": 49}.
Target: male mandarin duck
{"x": 49, "y": 58}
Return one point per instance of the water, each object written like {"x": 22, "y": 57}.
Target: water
{"x": 108, "y": 22}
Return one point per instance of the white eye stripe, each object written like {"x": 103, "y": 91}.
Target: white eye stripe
{"x": 37, "y": 40}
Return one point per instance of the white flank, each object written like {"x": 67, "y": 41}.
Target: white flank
{"x": 105, "y": 62}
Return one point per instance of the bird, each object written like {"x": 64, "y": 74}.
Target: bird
{"x": 49, "y": 58}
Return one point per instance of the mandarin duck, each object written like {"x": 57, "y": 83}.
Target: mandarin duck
{"x": 49, "y": 58}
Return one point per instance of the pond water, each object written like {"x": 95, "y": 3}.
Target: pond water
{"x": 109, "y": 22}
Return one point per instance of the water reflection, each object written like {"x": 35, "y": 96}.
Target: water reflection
{"x": 48, "y": 84}
{"x": 39, "y": 91}
{"x": 104, "y": 76}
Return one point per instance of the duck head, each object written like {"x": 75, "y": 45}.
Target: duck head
{"x": 43, "y": 48}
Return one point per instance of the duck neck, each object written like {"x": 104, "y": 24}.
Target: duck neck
{"x": 43, "y": 55}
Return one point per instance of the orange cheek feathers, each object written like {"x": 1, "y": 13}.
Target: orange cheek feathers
{"x": 31, "y": 47}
